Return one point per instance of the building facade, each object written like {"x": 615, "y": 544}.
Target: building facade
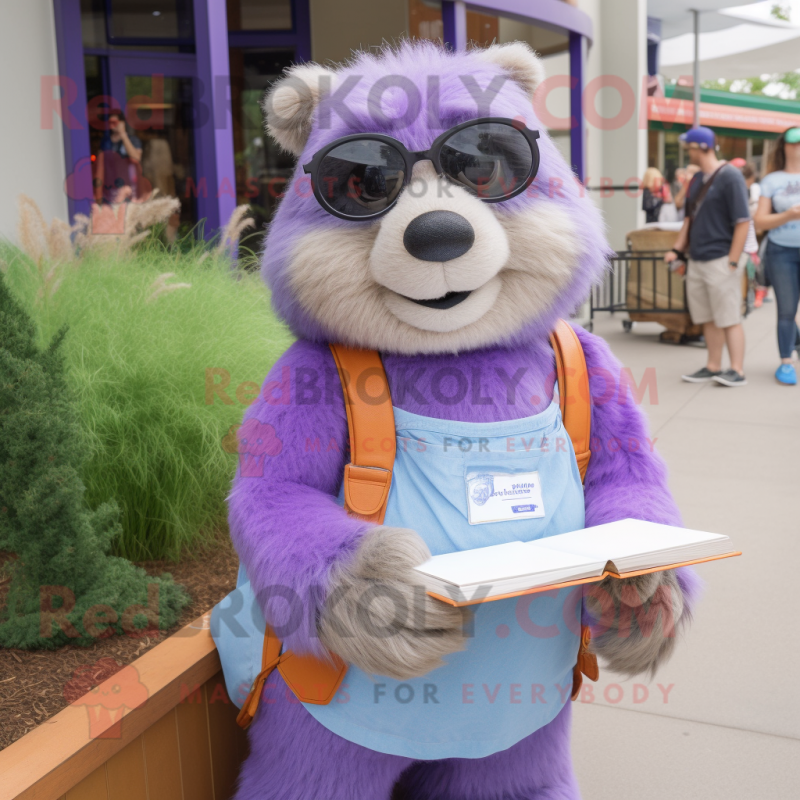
{"x": 189, "y": 76}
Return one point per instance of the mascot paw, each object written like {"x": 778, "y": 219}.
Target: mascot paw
{"x": 637, "y": 591}
{"x": 378, "y": 616}
{"x": 639, "y": 619}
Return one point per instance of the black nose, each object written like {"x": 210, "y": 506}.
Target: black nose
{"x": 438, "y": 236}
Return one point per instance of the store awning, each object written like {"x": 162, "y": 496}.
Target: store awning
{"x": 670, "y": 111}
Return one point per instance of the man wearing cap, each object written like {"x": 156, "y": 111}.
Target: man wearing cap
{"x": 715, "y": 231}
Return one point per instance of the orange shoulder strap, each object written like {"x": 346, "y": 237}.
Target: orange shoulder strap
{"x": 576, "y": 412}
{"x": 370, "y": 420}
{"x": 573, "y": 391}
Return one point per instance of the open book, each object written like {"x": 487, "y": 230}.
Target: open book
{"x": 621, "y": 549}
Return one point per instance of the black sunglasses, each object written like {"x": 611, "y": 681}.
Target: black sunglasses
{"x": 360, "y": 177}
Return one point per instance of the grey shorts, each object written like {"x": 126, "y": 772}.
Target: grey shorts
{"x": 714, "y": 291}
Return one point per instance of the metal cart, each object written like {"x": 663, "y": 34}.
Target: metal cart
{"x": 642, "y": 285}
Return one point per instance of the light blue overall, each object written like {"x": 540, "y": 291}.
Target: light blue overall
{"x": 516, "y": 672}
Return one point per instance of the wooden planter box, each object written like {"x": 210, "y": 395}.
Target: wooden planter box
{"x": 178, "y": 740}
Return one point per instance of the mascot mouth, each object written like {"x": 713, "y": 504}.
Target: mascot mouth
{"x": 449, "y": 300}
{"x": 447, "y": 313}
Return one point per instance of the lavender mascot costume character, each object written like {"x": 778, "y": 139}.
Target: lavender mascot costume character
{"x": 433, "y": 246}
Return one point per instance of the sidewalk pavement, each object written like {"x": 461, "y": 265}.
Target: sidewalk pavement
{"x": 722, "y": 718}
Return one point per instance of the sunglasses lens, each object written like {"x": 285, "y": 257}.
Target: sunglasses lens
{"x": 493, "y": 160}
{"x": 361, "y": 178}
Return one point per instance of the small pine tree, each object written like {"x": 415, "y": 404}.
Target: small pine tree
{"x": 65, "y": 586}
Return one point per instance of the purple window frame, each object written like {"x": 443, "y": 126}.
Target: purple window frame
{"x": 210, "y": 67}
{"x": 555, "y": 15}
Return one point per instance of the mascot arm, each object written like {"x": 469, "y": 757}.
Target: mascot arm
{"x": 636, "y": 620}
{"x": 284, "y": 520}
{"x": 313, "y": 567}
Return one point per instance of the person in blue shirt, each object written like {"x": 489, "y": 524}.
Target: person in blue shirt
{"x": 779, "y": 213}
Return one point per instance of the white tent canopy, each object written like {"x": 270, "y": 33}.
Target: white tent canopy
{"x": 743, "y": 51}
{"x": 676, "y": 16}
{"x": 735, "y": 42}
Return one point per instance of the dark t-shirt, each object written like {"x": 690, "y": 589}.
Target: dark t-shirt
{"x": 118, "y": 147}
{"x": 725, "y": 205}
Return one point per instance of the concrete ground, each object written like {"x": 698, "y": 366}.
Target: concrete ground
{"x": 722, "y": 718}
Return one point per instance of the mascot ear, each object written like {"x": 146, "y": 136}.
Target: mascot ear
{"x": 519, "y": 61}
{"x": 289, "y": 105}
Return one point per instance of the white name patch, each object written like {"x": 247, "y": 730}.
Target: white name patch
{"x": 503, "y": 496}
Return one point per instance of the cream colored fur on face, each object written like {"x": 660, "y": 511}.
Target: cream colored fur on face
{"x": 404, "y": 276}
{"x": 337, "y": 276}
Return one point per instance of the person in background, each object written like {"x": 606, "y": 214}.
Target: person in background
{"x": 753, "y": 186}
{"x": 678, "y": 180}
{"x": 655, "y": 193}
{"x": 714, "y": 231}
{"x": 779, "y": 214}
{"x": 751, "y": 245}
{"x": 119, "y": 161}
{"x": 679, "y": 191}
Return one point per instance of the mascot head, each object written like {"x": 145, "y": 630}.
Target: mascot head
{"x": 430, "y": 212}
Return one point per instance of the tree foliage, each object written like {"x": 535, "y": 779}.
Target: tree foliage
{"x": 785, "y": 85}
{"x": 65, "y": 586}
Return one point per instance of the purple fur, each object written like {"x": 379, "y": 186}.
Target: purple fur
{"x": 284, "y": 520}
{"x": 293, "y": 756}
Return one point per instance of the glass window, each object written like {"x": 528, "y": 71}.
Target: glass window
{"x": 482, "y": 29}
{"x": 94, "y": 67}
{"x": 168, "y": 161}
{"x": 263, "y": 170}
{"x": 151, "y": 19}
{"x": 259, "y": 15}
{"x": 93, "y": 23}
{"x": 152, "y": 25}
{"x": 425, "y": 20}
{"x": 155, "y": 152}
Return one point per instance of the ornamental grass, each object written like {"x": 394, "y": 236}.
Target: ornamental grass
{"x": 149, "y": 328}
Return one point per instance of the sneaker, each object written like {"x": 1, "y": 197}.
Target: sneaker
{"x": 760, "y": 295}
{"x": 730, "y": 378}
{"x": 701, "y": 376}
{"x": 786, "y": 375}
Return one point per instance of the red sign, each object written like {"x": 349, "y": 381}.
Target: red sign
{"x": 668, "y": 110}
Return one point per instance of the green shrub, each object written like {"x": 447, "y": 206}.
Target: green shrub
{"x": 63, "y": 566}
{"x": 138, "y": 355}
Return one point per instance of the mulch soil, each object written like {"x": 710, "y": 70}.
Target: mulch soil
{"x": 32, "y": 683}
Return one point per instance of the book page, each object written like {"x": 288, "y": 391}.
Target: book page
{"x": 504, "y": 562}
{"x": 635, "y": 544}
